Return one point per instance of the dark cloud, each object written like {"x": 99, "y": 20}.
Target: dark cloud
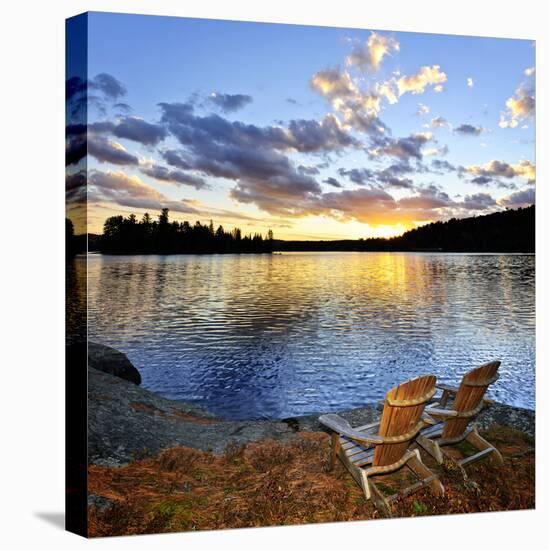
{"x": 469, "y": 130}
{"x": 524, "y": 197}
{"x": 173, "y": 176}
{"x": 479, "y": 201}
{"x": 482, "y": 180}
{"x": 75, "y": 187}
{"x": 123, "y": 107}
{"x": 174, "y": 158}
{"x": 132, "y": 128}
{"x": 301, "y": 135}
{"x": 229, "y": 103}
{"x": 443, "y": 166}
{"x": 75, "y": 149}
{"x": 402, "y": 148}
{"x": 137, "y": 129}
{"x": 501, "y": 169}
{"x": 333, "y": 182}
{"x": 391, "y": 177}
{"x": 360, "y": 176}
{"x": 105, "y": 150}
{"x": 108, "y": 85}
{"x": 310, "y": 136}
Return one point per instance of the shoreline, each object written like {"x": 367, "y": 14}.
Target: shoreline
{"x": 128, "y": 422}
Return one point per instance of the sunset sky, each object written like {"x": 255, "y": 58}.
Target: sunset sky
{"x": 317, "y": 133}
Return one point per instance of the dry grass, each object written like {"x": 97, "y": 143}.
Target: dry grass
{"x": 270, "y": 483}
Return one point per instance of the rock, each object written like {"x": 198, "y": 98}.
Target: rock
{"x": 113, "y": 362}
{"x": 127, "y": 422}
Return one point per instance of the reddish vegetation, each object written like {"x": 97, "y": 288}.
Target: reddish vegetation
{"x": 270, "y": 483}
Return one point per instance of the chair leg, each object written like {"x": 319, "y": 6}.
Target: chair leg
{"x": 336, "y": 444}
{"x": 380, "y": 502}
{"x": 481, "y": 444}
{"x": 423, "y": 473}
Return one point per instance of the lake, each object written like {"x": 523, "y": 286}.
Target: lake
{"x": 274, "y": 336}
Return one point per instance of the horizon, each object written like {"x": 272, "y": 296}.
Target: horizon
{"x": 317, "y": 133}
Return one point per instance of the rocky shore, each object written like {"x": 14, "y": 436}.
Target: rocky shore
{"x": 127, "y": 422}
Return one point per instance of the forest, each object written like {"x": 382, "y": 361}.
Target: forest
{"x": 507, "y": 231}
{"x": 127, "y": 235}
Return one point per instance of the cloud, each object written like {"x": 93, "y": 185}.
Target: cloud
{"x": 334, "y": 84}
{"x": 360, "y": 176}
{"x": 309, "y": 170}
{"x": 470, "y": 82}
{"x": 434, "y": 151}
{"x": 469, "y": 130}
{"x": 131, "y": 128}
{"x": 360, "y": 111}
{"x": 478, "y": 201}
{"x": 130, "y": 191}
{"x": 370, "y": 54}
{"x": 391, "y": 176}
{"x": 438, "y": 88}
{"x": 482, "y": 180}
{"x": 416, "y": 84}
{"x": 443, "y": 166}
{"x": 422, "y": 109}
{"x": 105, "y": 150}
{"x": 333, "y": 182}
{"x": 108, "y": 85}
{"x": 123, "y": 107}
{"x": 178, "y": 177}
{"x": 402, "y": 148}
{"x": 228, "y": 103}
{"x": 300, "y": 135}
{"x": 76, "y": 187}
{"x": 500, "y": 169}
{"x": 529, "y": 71}
{"x": 137, "y": 129}
{"x": 521, "y": 198}
{"x": 75, "y": 148}
{"x": 520, "y": 107}
{"x": 439, "y": 122}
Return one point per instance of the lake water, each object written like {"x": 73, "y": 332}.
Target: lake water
{"x": 259, "y": 336}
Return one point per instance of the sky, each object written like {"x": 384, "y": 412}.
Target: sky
{"x": 313, "y": 132}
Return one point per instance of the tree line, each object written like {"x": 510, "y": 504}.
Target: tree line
{"x": 507, "y": 231}
{"x": 127, "y": 235}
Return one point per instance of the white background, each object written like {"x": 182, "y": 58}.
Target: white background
{"x": 32, "y": 270}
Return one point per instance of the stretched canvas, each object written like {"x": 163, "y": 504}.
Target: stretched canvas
{"x": 300, "y": 274}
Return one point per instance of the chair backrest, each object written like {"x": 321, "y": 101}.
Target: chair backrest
{"x": 402, "y": 412}
{"x": 469, "y": 396}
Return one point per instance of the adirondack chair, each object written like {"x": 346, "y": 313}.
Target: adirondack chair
{"x": 453, "y": 423}
{"x": 366, "y": 454}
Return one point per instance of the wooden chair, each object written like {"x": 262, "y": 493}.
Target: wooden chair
{"x": 453, "y": 423}
{"x": 365, "y": 454}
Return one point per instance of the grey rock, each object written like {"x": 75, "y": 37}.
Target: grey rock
{"x": 112, "y": 361}
{"x": 126, "y": 422}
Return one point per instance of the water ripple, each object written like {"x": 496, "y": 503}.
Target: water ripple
{"x": 257, "y": 336}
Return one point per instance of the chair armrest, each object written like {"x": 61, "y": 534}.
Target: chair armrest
{"x": 428, "y": 420}
{"x": 342, "y": 427}
{"x": 445, "y": 387}
{"x": 433, "y": 411}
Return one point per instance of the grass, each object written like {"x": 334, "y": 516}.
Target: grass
{"x": 271, "y": 483}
